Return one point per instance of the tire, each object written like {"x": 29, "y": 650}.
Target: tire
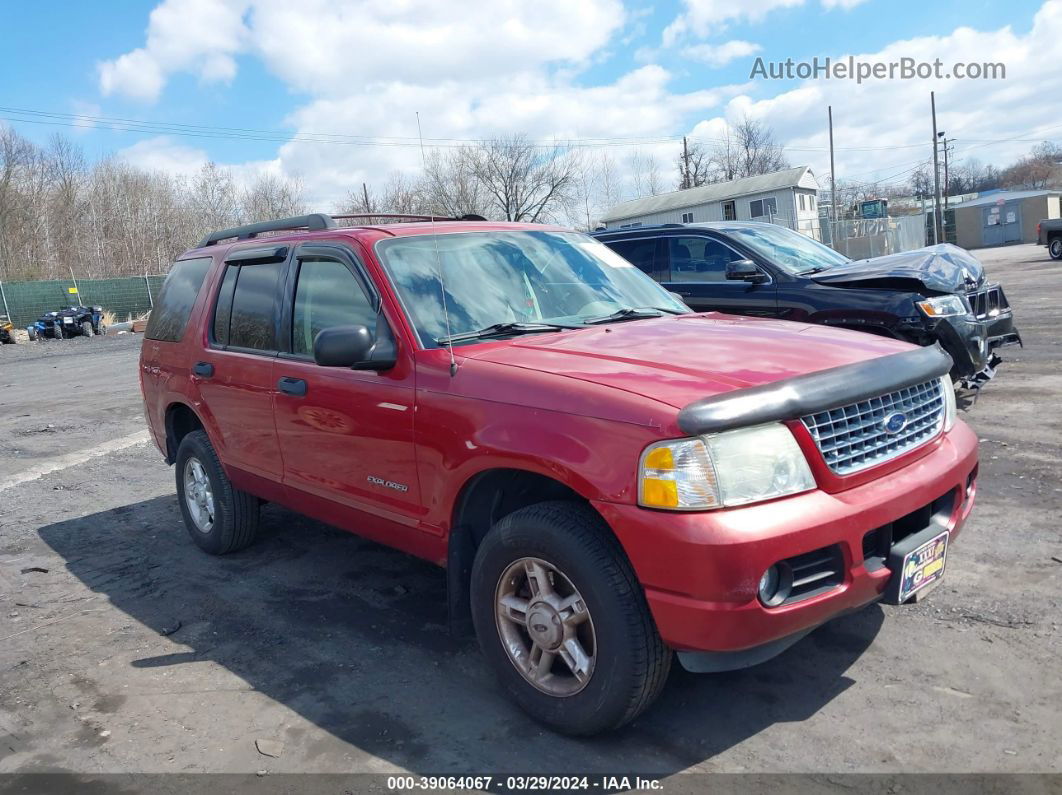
{"x": 629, "y": 662}
{"x": 86, "y": 328}
{"x": 31, "y": 332}
{"x": 233, "y": 514}
{"x": 1054, "y": 248}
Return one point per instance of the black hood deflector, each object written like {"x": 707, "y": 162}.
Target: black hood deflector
{"x": 940, "y": 269}
{"x": 797, "y": 397}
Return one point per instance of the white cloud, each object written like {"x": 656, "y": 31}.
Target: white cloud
{"x": 510, "y": 67}
{"x": 893, "y": 116}
{"x": 704, "y": 17}
{"x": 198, "y": 36}
{"x": 720, "y": 54}
{"x": 164, "y": 153}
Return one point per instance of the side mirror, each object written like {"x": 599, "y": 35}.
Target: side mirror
{"x": 354, "y": 347}
{"x": 678, "y": 297}
{"x": 745, "y": 270}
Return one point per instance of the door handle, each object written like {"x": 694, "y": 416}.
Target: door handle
{"x": 295, "y": 387}
{"x": 203, "y": 369}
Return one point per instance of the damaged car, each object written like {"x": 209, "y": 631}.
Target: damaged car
{"x": 938, "y": 294}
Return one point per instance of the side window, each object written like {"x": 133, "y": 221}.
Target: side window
{"x": 253, "y": 321}
{"x": 762, "y": 207}
{"x": 175, "y": 300}
{"x": 699, "y": 259}
{"x": 639, "y": 253}
{"x": 802, "y": 200}
{"x": 223, "y": 308}
{"x": 687, "y": 218}
{"x": 327, "y": 294}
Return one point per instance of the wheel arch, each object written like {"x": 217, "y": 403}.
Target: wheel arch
{"x": 181, "y": 420}
{"x": 484, "y": 499}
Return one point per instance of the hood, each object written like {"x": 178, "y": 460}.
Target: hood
{"x": 677, "y": 360}
{"x": 937, "y": 269}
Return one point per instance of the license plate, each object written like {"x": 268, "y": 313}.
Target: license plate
{"x": 68, "y": 320}
{"x": 923, "y": 567}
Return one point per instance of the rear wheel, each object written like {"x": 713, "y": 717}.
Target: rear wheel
{"x": 1055, "y": 248}
{"x": 563, "y": 622}
{"x": 32, "y": 332}
{"x": 219, "y": 518}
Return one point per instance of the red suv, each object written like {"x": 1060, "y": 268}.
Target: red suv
{"x": 608, "y": 477}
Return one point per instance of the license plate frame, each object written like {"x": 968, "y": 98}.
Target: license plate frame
{"x": 923, "y": 567}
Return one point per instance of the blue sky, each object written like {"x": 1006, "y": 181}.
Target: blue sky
{"x": 610, "y": 69}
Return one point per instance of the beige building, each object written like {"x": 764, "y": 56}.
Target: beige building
{"x": 1003, "y": 217}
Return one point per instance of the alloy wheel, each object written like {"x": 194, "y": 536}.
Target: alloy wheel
{"x": 545, "y": 627}
{"x": 198, "y": 495}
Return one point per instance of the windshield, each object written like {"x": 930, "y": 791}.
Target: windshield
{"x": 513, "y": 277}
{"x": 791, "y": 251}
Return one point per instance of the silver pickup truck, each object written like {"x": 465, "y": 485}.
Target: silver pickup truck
{"x": 1049, "y": 233}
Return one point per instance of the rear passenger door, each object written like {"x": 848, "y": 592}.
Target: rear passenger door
{"x": 697, "y": 266}
{"x": 346, "y": 435}
{"x": 235, "y": 371}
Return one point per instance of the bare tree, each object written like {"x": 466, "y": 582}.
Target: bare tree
{"x": 522, "y": 181}
{"x": 451, "y": 186}
{"x": 745, "y": 149}
{"x": 645, "y": 174}
{"x": 270, "y": 196}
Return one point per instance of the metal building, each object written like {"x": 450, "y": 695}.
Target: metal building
{"x": 786, "y": 197}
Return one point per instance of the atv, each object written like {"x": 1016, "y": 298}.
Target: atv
{"x": 76, "y": 320}
{"x": 6, "y": 327}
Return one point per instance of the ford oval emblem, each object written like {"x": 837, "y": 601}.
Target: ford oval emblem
{"x": 894, "y": 423}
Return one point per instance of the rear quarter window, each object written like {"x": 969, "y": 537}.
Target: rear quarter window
{"x": 175, "y": 300}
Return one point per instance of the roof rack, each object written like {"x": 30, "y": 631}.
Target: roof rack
{"x": 315, "y": 222}
{"x": 312, "y": 223}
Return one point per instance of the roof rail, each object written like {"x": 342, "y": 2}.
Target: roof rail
{"x": 408, "y": 217}
{"x": 313, "y": 222}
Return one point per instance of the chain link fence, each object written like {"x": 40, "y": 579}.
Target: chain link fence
{"x": 125, "y": 297}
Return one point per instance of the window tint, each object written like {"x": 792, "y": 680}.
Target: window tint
{"x": 699, "y": 259}
{"x": 223, "y": 308}
{"x": 637, "y": 252}
{"x": 253, "y": 323}
{"x": 327, "y": 295}
{"x": 175, "y": 300}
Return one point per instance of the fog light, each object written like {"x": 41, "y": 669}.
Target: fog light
{"x": 775, "y": 585}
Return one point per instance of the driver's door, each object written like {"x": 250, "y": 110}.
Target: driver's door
{"x": 345, "y": 435}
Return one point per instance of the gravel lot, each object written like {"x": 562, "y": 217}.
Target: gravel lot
{"x": 124, "y": 649}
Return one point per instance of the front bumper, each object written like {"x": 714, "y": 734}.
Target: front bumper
{"x": 700, "y": 571}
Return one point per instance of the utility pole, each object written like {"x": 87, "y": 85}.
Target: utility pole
{"x": 833, "y": 172}
{"x": 365, "y": 193}
{"x": 685, "y": 164}
{"x": 936, "y": 173}
{"x": 947, "y": 183}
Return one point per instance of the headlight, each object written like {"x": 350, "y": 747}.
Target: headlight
{"x": 723, "y": 469}
{"x": 944, "y": 306}
{"x": 949, "y": 401}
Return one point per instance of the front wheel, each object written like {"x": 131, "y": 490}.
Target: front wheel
{"x": 1054, "y": 248}
{"x": 86, "y": 328}
{"x": 563, "y": 621}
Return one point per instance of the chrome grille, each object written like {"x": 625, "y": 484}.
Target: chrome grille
{"x": 853, "y": 437}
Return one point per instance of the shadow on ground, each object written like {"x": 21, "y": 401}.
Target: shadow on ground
{"x": 352, "y": 636}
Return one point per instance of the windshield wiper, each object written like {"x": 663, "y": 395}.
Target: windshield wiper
{"x": 816, "y": 269}
{"x": 505, "y": 330}
{"x": 634, "y": 313}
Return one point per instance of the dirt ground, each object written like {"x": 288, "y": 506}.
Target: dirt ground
{"x": 125, "y": 649}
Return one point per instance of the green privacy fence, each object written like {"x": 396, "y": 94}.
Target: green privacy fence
{"x": 24, "y": 302}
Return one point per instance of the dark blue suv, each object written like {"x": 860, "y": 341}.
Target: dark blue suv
{"x": 934, "y": 294}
